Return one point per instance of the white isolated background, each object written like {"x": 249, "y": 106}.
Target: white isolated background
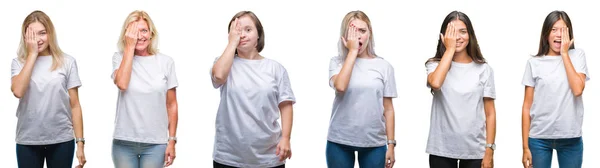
{"x": 303, "y": 36}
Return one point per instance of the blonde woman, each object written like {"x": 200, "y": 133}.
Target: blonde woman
{"x": 146, "y": 118}
{"x": 254, "y": 92}
{"x": 362, "y": 118}
{"x": 46, "y": 81}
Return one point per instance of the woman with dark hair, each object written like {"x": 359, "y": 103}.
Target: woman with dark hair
{"x": 255, "y": 92}
{"x": 554, "y": 80}
{"x": 463, "y": 116}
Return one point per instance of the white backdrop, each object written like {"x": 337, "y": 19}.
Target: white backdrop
{"x": 301, "y": 35}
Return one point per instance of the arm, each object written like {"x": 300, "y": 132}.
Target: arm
{"x": 172, "y": 111}
{"x": 390, "y": 122}
{"x": 490, "y": 126}
{"x": 341, "y": 80}
{"x": 287, "y": 115}
{"x": 123, "y": 74}
{"x": 222, "y": 66}
{"x": 437, "y": 77}
{"x": 77, "y": 123}
{"x": 20, "y": 82}
{"x": 525, "y": 125}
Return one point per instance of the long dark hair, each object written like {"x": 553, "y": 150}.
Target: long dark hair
{"x": 552, "y": 18}
{"x": 472, "y": 48}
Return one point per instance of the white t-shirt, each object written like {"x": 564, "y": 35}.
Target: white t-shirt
{"x": 247, "y": 131}
{"x": 555, "y": 111}
{"x": 44, "y": 112}
{"x": 357, "y": 114}
{"x": 457, "y": 128}
{"x": 142, "y": 108}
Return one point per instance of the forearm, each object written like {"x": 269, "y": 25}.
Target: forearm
{"x": 390, "y": 124}
{"x": 576, "y": 83}
{"x": 490, "y": 120}
{"x": 343, "y": 78}
{"x": 20, "y": 83}
{"x": 123, "y": 74}
{"x": 287, "y": 117}
{"x": 173, "y": 118}
{"x": 438, "y": 76}
{"x": 221, "y": 68}
{"x": 525, "y": 125}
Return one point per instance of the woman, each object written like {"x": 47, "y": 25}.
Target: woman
{"x": 363, "y": 113}
{"x": 46, "y": 81}
{"x": 463, "y": 116}
{"x": 554, "y": 80}
{"x": 146, "y": 119}
{"x": 254, "y": 92}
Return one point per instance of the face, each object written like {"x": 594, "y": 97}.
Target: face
{"x": 144, "y": 38}
{"x": 363, "y": 34}
{"x": 462, "y": 35}
{"x": 554, "y": 38}
{"x": 40, "y": 32}
{"x": 249, "y": 36}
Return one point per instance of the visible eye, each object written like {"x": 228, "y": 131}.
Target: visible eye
{"x": 554, "y": 29}
{"x": 144, "y": 31}
{"x": 248, "y": 30}
{"x": 362, "y": 31}
{"x": 42, "y": 33}
{"x": 463, "y": 32}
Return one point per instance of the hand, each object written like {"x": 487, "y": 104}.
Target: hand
{"x": 235, "y": 33}
{"x": 283, "y": 149}
{"x": 170, "y": 154}
{"x": 565, "y": 41}
{"x": 527, "y": 159}
{"x": 488, "y": 159}
{"x": 31, "y": 42}
{"x": 131, "y": 35}
{"x": 80, "y": 156}
{"x": 390, "y": 157}
{"x": 449, "y": 38}
{"x": 351, "y": 39}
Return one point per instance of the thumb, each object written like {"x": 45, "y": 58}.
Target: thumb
{"x": 344, "y": 41}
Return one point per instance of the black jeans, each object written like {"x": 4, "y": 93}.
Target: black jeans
{"x": 58, "y": 155}
{"x": 444, "y": 162}
{"x": 218, "y": 165}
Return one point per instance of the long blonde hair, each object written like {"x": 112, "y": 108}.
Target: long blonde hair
{"x": 136, "y": 16}
{"x": 342, "y": 50}
{"x": 53, "y": 49}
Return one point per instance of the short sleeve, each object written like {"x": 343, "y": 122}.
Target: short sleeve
{"x": 528, "y": 79}
{"x": 389, "y": 83}
{"x": 580, "y": 64}
{"x": 73, "y": 80}
{"x": 171, "y": 74}
{"x": 15, "y": 68}
{"x": 489, "y": 86}
{"x": 284, "y": 88}
{"x": 212, "y": 77}
{"x": 116, "y": 63}
{"x": 335, "y": 66}
{"x": 430, "y": 67}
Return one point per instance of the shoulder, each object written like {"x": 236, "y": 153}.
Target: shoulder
{"x": 336, "y": 59}
{"x": 164, "y": 58}
{"x": 577, "y": 52}
{"x": 273, "y": 63}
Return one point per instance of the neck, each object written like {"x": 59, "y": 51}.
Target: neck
{"x": 552, "y": 53}
{"x": 462, "y": 57}
{"x": 251, "y": 55}
{"x": 143, "y": 52}
{"x": 44, "y": 53}
{"x": 365, "y": 54}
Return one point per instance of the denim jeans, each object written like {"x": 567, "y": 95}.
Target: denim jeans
{"x": 57, "y": 155}
{"x": 127, "y": 154}
{"x": 569, "y": 151}
{"x": 342, "y": 156}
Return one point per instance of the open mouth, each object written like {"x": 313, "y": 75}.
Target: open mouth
{"x": 458, "y": 44}
{"x": 557, "y": 43}
{"x": 360, "y": 44}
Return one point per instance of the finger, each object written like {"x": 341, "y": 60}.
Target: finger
{"x": 447, "y": 30}
{"x": 290, "y": 154}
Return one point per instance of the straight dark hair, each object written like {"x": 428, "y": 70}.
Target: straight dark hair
{"x": 472, "y": 48}
{"x": 552, "y": 18}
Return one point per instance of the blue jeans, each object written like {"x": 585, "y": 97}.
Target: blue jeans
{"x": 342, "y": 156}
{"x": 127, "y": 154}
{"x": 57, "y": 155}
{"x": 569, "y": 151}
